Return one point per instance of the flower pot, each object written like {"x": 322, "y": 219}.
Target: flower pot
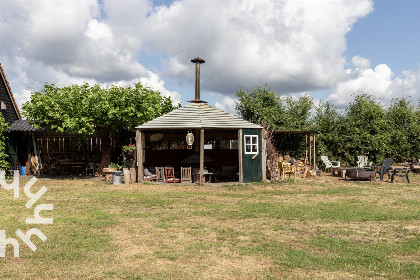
{"x": 127, "y": 175}
{"x": 133, "y": 172}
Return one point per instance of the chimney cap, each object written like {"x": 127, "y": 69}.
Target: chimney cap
{"x": 198, "y": 60}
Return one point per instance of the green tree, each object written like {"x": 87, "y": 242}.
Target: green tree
{"x": 404, "y": 129}
{"x": 365, "y": 130}
{"x": 329, "y": 124}
{"x": 82, "y": 109}
{"x": 3, "y": 155}
{"x": 298, "y": 113}
{"x": 262, "y": 106}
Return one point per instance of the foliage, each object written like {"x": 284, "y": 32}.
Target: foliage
{"x": 404, "y": 129}
{"x": 3, "y": 155}
{"x": 261, "y": 105}
{"x": 275, "y": 112}
{"x": 129, "y": 148}
{"x": 84, "y": 109}
{"x": 329, "y": 123}
{"x": 364, "y": 127}
{"x": 115, "y": 165}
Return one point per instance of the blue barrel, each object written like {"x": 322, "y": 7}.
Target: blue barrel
{"x": 23, "y": 170}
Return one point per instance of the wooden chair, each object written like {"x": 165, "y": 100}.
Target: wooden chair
{"x": 186, "y": 175}
{"x": 170, "y": 175}
{"x": 287, "y": 169}
{"x": 160, "y": 174}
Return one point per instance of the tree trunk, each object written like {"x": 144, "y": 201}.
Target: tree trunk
{"x": 272, "y": 157}
{"x": 106, "y": 152}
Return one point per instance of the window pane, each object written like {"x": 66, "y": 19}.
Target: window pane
{"x": 247, "y": 140}
{"x": 254, "y": 140}
{"x": 248, "y": 148}
{"x": 254, "y": 148}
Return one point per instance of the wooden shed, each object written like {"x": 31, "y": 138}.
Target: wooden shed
{"x": 223, "y": 141}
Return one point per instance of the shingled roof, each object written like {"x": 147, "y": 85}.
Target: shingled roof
{"x": 8, "y": 93}
{"x": 22, "y": 125}
{"x": 197, "y": 115}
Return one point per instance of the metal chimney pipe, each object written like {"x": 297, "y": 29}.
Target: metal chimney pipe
{"x": 197, "y": 62}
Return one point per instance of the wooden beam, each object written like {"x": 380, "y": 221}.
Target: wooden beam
{"x": 310, "y": 149}
{"x": 306, "y": 148}
{"x": 201, "y": 155}
{"x": 241, "y": 175}
{"x": 314, "y": 154}
{"x": 264, "y": 154}
{"x": 139, "y": 148}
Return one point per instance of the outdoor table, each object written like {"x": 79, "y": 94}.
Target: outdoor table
{"x": 400, "y": 172}
{"x": 196, "y": 176}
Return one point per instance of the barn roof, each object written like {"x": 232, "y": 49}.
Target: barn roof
{"x": 197, "y": 115}
{"x": 9, "y": 94}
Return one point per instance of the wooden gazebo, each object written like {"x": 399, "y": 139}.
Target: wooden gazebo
{"x": 232, "y": 143}
{"x": 243, "y": 142}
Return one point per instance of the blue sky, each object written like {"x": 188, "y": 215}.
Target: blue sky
{"x": 390, "y": 34}
{"x": 323, "y": 48}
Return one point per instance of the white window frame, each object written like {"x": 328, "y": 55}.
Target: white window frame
{"x": 251, "y": 144}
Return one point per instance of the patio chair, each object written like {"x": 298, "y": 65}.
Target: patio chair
{"x": 362, "y": 162}
{"x": 385, "y": 168}
{"x": 90, "y": 169}
{"x": 170, "y": 175}
{"x": 328, "y": 163}
{"x": 186, "y": 175}
{"x": 160, "y": 174}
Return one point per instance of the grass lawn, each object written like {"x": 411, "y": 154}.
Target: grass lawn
{"x": 322, "y": 228}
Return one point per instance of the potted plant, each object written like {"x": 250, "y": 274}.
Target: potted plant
{"x": 129, "y": 149}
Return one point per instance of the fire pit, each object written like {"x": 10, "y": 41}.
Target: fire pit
{"x": 360, "y": 174}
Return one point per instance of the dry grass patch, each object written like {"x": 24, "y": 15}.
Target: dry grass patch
{"x": 323, "y": 228}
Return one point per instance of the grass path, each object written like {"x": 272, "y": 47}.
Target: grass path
{"x": 322, "y": 228}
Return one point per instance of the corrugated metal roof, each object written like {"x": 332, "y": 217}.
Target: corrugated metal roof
{"x": 197, "y": 115}
{"x": 22, "y": 125}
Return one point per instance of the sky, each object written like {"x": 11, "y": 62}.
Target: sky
{"x": 328, "y": 49}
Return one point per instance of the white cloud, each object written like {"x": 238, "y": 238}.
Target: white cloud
{"x": 227, "y": 104}
{"x": 360, "y": 62}
{"x": 154, "y": 82}
{"x": 380, "y": 82}
{"x": 290, "y": 45}
{"x": 65, "y": 42}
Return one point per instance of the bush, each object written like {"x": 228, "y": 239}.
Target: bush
{"x": 3, "y": 155}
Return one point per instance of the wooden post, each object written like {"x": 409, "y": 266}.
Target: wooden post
{"x": 306, "y": 148}
{"x": 310, "y": 149}
{"x": 201, "y": 156}
{"x": 315, "y": 156}
{"x": 139, "y": 148}
{"x": 241, "y": 175}
{"x": 264, "y": 154}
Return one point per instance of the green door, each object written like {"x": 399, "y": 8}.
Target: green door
{"x": 251, "y": 155}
